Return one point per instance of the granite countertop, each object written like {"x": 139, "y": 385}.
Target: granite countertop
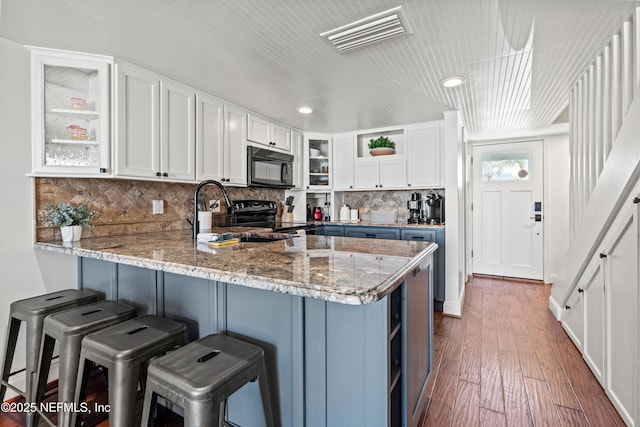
{"x": 377, "y": 224}
{"x": 337, "y": 269}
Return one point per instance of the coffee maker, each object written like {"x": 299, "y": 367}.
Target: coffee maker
{"x": 434, "y": 209}
{"x": 415, "y": 208}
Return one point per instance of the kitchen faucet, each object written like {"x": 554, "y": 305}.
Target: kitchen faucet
{"x": 196, "y": 224}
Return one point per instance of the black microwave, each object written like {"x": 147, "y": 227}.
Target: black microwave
{"x": 267, "y": 168}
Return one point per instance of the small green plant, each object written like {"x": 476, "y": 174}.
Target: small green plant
{"x": 65, "y": 214}
{"x": 381, "y": 142}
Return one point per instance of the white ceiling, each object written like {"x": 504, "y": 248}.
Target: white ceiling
{"x": 520, "y": 57}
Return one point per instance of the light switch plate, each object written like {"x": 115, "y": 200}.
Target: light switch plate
{"x": 157, "y": 207}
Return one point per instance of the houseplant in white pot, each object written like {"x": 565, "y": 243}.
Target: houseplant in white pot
{"x": 70, "y": 219}
{"x": 381, "y": 146}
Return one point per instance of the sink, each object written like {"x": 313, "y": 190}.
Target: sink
{"x": 265, "y": 237}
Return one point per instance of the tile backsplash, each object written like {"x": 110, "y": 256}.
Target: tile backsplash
{"x": 366, "y": 201}
{"x": 125, "y": 206}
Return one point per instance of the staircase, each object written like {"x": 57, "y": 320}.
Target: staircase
{"x": 596, "y": 295}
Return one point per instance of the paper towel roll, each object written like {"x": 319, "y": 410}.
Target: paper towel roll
{"x": 344, "y": 213}
{"x": 204, "y": 218}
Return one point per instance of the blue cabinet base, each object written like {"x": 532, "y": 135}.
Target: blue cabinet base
{"x": 331, "y": 364}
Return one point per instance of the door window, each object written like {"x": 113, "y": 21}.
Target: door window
{"x": 503, "y": 166}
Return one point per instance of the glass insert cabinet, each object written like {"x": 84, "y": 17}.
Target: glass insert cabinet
{"x": 318, "y": 164}
{"x": 71, "y": 121}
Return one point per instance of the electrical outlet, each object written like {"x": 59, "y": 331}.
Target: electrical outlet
{"x": 157, "y": 207}
{"x": 214, "y": 205}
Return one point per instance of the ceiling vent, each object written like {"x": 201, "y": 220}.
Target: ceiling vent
{"x": 372, "y": 29}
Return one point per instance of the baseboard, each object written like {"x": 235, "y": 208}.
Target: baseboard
{"x": 454, "y": 308}
{"x": 555, "y": 308}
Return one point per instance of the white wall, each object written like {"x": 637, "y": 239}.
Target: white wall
{"x": 556, "y": 183}
{"x": 454, "y": 213}
{"x": 24, "y": 272}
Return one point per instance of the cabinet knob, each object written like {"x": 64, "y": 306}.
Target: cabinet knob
{"x": 351, "y": 186}
{"x": 636, "y": 200}
{"x": 580, "y": 290}
{"x": 567, "y": 307}
{"x": 409, "y": 185}
{"x": 158, "y": 174}
{"x": 165, "y": 174}
{"x": 103, "y": 170}
{"x": 603, "y": 256}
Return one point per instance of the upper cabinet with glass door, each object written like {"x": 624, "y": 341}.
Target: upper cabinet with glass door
{"x": 70, "y": 113}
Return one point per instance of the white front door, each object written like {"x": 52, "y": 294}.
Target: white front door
{"x": 508, "y": 210}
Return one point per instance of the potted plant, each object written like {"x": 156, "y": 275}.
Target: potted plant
{"x": 70, "y": 219}
{"x": 381, "y": 146}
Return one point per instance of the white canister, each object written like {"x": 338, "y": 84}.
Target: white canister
{"x": 345, "y": 213}
{"x": 354, "y": 214}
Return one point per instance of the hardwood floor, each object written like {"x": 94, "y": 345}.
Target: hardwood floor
{"x": 507, "y": 362}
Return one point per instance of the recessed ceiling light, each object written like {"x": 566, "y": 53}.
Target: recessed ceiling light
{"x": 305, "y": 110}
{"x": 453, "y": 81}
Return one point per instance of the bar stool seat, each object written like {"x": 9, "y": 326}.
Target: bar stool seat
{"x": 200, "y": 377}
{"x": 125, "y": 349}
{"x": 32, "y": 311}
{"x": 69, "y": 328}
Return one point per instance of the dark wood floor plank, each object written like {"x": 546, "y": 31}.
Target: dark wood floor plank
{"x": 470, "y": 362}
{"x": 543, "y": 410}
{"x": 491, "y": 396}
{"x": 516, "y": 409}
{"x": 442, "y": 402}
{"x": 489, "y": 418}
{"x": 561, "y": 391}
{"x": 571, "y": 417}
{"x": 466, "y": 411}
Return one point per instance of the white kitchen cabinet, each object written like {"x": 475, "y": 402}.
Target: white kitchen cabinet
{"x": 343, "y": 158}
{"x": 593, "y": 341}
{"x": 424, "y": 156}
{"x": 297, "y": 149}
{"x": 573, "y": 319}
{"x": 209, "y": 138}
{"x": 621, "y": 320}
{"x": 155, "y": 126}
{"x": 137, "y": 122}
{"x": 177, "y": 134}
{"x": 70, "y": 113}
{"x": 264, "y": 132}
{"x": 318, "y": 167}
{"x": 380, "y": 174}
{"x": 235, "y": 143}
{"x": 601, "y": 315}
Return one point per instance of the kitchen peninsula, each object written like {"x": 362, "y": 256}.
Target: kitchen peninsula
{"x": 346, "y": 324}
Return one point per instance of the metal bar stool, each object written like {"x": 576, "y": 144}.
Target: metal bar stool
{"x": 33, "y": 311}
{"x": 125, "y": 349}
{"x": 69, "y": 328}
{"x": 200, "y": 377}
